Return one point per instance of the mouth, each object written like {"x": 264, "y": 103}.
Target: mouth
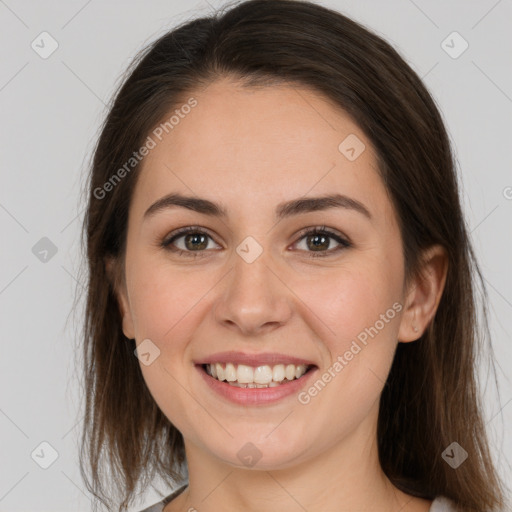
{"x": 256, "y": 377}
{"x": 250, "y": 379}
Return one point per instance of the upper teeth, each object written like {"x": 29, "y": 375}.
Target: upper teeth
{"x": 244, "y": 374}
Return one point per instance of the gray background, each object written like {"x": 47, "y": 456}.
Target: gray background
{"x": 50, "y": 113}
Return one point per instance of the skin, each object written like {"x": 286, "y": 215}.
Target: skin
{"x": 251, "y": 149}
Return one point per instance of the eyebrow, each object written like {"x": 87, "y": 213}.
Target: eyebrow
{"x": 283, "y": 210}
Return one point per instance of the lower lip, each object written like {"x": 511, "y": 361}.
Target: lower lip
{"x": 255, "y": 396}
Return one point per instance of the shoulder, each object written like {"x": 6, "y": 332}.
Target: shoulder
{"x": 442, "y": 504}
{"x": 158, "y": 507}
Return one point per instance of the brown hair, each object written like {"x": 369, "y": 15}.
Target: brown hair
{"x": 431, "y": 397}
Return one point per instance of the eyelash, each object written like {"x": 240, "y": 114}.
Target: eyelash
{"x": 319, "y": 230}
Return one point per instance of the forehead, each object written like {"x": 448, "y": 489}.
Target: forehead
{"x": 252, "y": 148}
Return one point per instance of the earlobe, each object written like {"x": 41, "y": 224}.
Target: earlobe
{"x": 120, "y": 293}
{"x": 424, "y": 294}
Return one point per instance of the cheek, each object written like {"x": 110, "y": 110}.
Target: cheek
{"x": 168, "y": 306}
{"x": 356, "y": 314}
{"x": 162, "y": 297}
{"x": 346, "y": 302}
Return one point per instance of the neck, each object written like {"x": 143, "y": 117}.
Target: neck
{"x": 347, "y": 474}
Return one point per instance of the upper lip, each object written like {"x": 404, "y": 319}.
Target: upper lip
{"x": 261, "y": 359}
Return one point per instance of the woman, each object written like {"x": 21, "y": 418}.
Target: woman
{"x": 281, "y": 284}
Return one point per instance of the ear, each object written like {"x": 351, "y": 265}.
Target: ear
{"x": 424, "y": 294}
{"x": 118, "y": 285}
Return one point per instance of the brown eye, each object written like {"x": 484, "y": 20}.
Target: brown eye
{"x": 195, "y": 241}
{"x": 318, "y": 241}
{"x": 192, "y": 240}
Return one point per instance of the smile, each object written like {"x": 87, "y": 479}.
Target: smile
{"x": 253, "y": 379}
{"x": 265, "y": 376}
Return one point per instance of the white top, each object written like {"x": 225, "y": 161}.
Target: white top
{"x": 440, "y": 504}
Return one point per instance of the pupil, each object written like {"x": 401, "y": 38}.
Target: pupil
{"x": 194, "y": 238}
{"x": 322, "y": 243}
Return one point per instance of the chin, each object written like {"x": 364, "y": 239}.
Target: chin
{"x": 261, "y": 451}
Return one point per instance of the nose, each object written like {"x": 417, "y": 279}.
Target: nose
{"x": 254, "y": 299}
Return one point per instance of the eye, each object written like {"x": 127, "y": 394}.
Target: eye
{"x": 319, "y": 238}
{"x": 195, "y": 240}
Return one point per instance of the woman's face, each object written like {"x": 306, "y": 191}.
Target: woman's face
{"x": 248, "y": 290}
